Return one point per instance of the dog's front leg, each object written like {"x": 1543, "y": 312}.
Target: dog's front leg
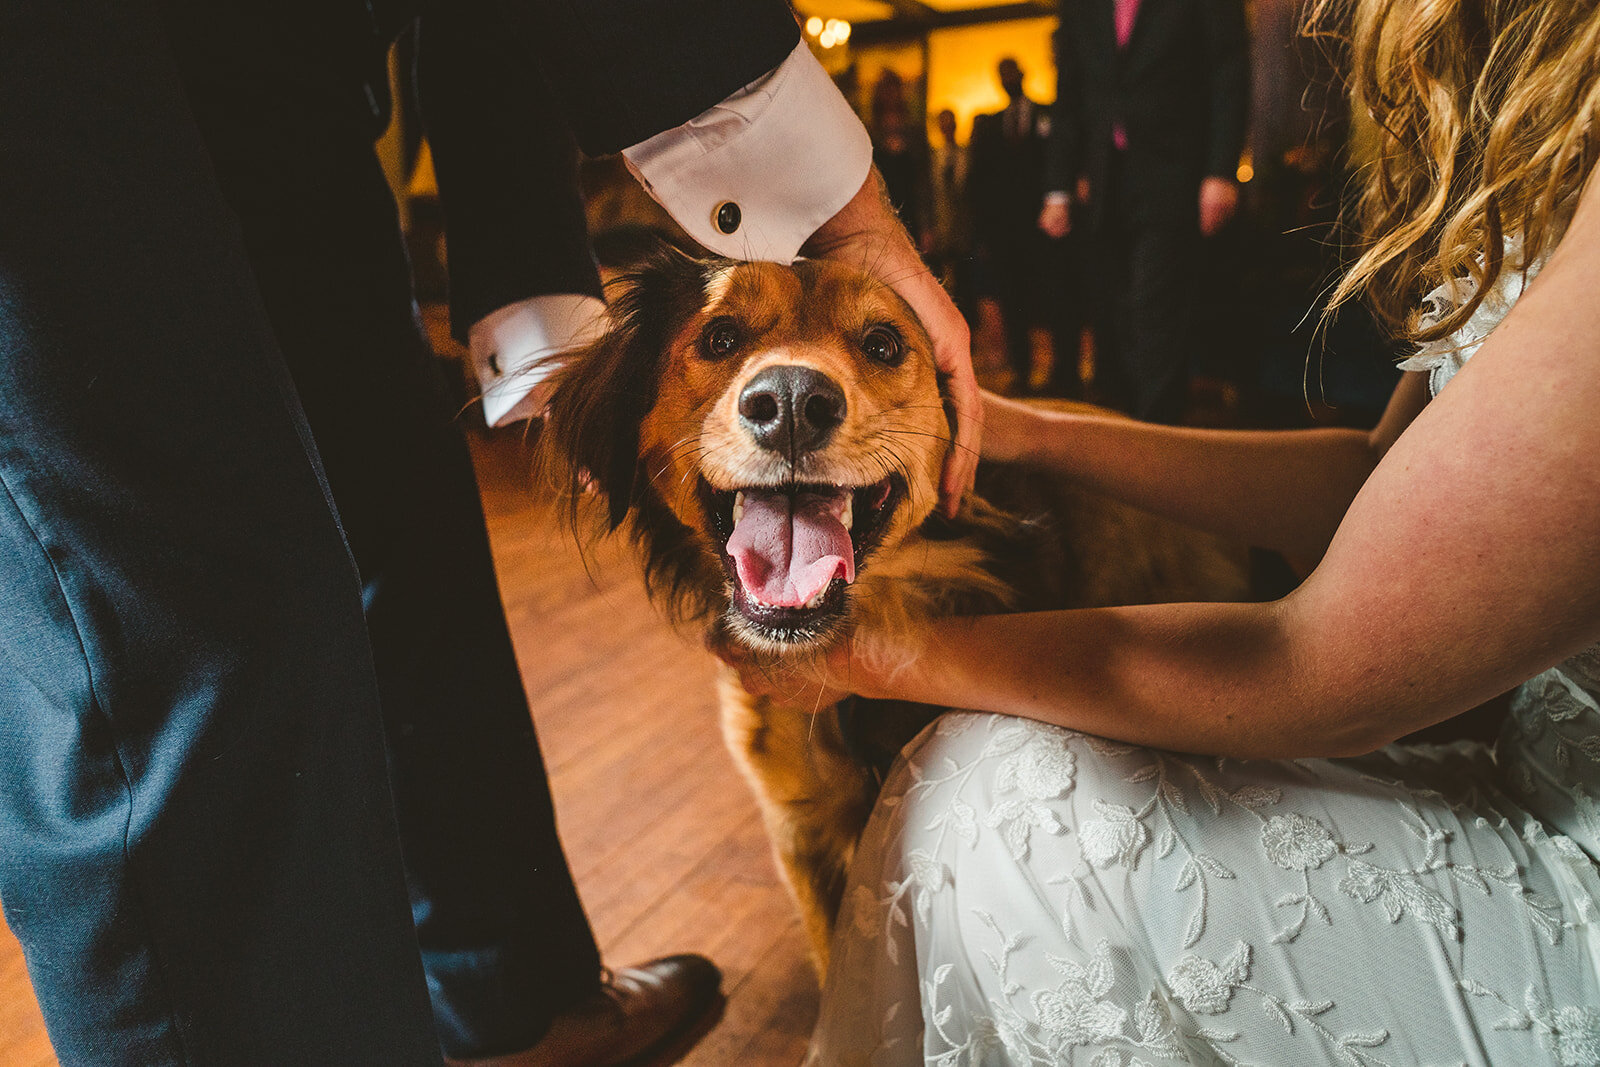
{"x": 814, "y": 799}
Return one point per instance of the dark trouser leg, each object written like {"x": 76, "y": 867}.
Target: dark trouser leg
{"x": 1064, "y": 309}
{"x": 1144, "y": 324}
{"x": 1012, "y": 265}
{"x": 1160, "y": 326}
{"x": 1109, "y": 313}
{"x": 197, "y": 844}
{"x": 504, "y": 940}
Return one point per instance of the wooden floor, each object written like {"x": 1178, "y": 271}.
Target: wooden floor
{"x": 662, "y": 835}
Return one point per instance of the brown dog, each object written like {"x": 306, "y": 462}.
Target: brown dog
{"x": 771, "y": 438}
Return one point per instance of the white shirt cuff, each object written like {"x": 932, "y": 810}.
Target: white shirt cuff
{"x": 1058, "y": 196}
{"x": 510, "y": 347}
{"x": 786, "y": 152}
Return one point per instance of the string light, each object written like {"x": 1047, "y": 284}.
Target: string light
{"x": 828, "y": 32}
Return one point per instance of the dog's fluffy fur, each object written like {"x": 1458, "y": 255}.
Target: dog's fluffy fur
{"x": 647, "y": 424}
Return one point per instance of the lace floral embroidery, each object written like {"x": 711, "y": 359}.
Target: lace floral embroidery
{"x": 1023, "y": 786}
{"x": 1444, "y": 357}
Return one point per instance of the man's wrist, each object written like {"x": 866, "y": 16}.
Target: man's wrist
{"x": 756, "y": 176}
{"x": 513, "y": 347}
{"x": 863, "y": 213}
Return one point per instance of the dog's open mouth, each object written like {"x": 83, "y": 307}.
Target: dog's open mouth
{"x": 792, "y": 550}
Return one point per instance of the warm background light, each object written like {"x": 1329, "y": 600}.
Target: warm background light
{"x": 961, "y": 67}
{"x": 854, "y": 11}
{"x": 871, "y": 62}
{"x": 828, "y": 33}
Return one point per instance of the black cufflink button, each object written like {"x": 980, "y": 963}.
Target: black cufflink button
{"x": 728, "y": 216}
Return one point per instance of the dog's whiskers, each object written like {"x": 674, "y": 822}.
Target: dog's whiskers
{"x": 938, "y": 437}
{"x": 886, "y": 438}
{"x": 898, "y": 408}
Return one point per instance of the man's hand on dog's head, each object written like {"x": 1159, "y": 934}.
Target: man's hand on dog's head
{"x": 867, "y": 234}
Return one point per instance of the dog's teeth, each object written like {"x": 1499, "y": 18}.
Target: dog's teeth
{"x": 738, "y": 508}
{"x": 848, "y": 517}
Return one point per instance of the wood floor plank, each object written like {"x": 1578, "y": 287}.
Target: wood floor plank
{"x": 22, "y": 1038}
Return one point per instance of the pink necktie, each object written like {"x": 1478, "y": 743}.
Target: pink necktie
{"x": 1126, "y": 12}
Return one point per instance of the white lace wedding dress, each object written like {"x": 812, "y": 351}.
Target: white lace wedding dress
{"x": 1026, "y": 895}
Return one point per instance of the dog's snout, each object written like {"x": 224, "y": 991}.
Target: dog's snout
{"x": 791, "y": 409}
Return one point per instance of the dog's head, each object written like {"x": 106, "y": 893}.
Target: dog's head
{"x": 764, "y": 432}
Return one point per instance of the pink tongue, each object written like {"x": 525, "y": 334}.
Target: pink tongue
{"x": 788, "y": 550}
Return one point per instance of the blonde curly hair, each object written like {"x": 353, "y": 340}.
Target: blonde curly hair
{"x": 1486, "y": 114}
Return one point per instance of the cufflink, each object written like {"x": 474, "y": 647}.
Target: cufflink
{"x": 727, "y": 216}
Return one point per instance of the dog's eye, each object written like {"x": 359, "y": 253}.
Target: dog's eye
{"x": 721, "y": 339}
{"x": 883, "y": 344}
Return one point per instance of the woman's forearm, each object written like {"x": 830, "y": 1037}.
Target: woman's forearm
{"x": 1222, "y": 679}
{"x": 1286, "y": 490}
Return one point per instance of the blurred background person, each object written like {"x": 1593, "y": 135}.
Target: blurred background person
{"x": 948, "y": 240}
{"x": 900, "y": 152}
{"x": 1150, "y": 118}
{"x": 1005, "y": 179}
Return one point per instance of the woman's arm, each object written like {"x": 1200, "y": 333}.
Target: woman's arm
{"x": 1466, "y": 563}
{"x": 1280, "y": 489}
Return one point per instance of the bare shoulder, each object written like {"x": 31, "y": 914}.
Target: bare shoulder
{"x": 1548, "y": 349}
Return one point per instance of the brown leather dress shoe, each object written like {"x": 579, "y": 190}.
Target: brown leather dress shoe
{"x": 644, "y": 1016}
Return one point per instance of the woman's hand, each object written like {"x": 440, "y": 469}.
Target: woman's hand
{"x": 1055, "y": 218}
{"x": 1219, "y": 200}
{"x": 803, "y": 683}
{"x": 866, "y": 232}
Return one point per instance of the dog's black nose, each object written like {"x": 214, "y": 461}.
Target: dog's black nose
{"x": 791, "y": 409}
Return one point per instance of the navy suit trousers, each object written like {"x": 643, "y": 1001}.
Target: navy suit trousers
{"x": 269, "y": 792}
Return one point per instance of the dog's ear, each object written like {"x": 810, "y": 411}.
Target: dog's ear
{"x": 602, "y": 393}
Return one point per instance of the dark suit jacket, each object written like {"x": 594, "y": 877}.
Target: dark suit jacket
{"x": 1006, "y": 179}
{"x": 600, "y": 74}
{"x": 1180, "y": 89}
{"x": 291, "y": 94}
{"x": 510, "y": 87}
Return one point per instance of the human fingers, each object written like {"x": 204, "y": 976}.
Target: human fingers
{"x": 1218, "y": 199}
{"x": 1055, "y": 219}
{"x": 952, "y": 357}
{"x": 961, "y": 462}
